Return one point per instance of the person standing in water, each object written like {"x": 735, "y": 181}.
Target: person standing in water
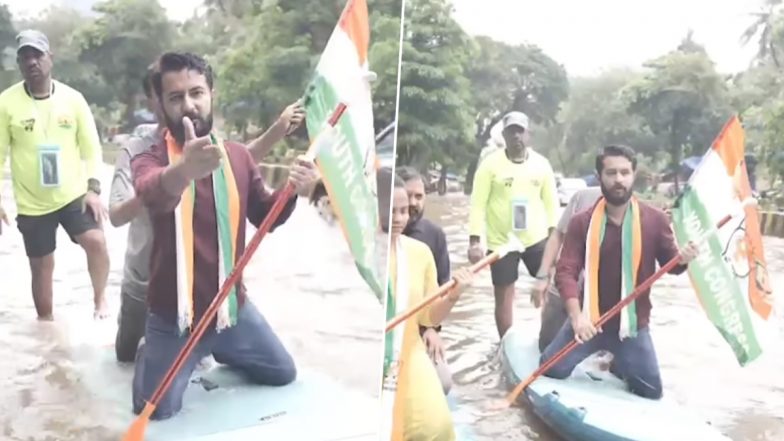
{"x": 49, "y": 131}
{"x": 544, "y": 293}
{"x": 125, "y": 207}
{"x": 513, "y": 192}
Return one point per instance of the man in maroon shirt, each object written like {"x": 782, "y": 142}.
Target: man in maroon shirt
{"x": 635, "y": 357}
{"x": 184, "y": 87}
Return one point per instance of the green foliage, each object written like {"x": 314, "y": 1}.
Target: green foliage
{"x": 505, "y": 78}
{"x": 672, "y": 108}
{"x": 118, "y": 44}
{"x": 683, "y": 100}
{"x": 436, "y": 115}
{"x": 263, "y": 53}
{"x": 596, "y": 115}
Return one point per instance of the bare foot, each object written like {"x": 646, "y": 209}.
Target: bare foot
{"x": 101, "y": 309}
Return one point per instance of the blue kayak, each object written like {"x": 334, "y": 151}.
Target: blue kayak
{"x": 594, "y": 405}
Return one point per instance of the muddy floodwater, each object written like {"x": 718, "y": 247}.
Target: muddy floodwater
{"x": 302, "y": 278}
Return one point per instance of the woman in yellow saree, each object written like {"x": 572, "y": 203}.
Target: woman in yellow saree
{"x": 414, "y": 403}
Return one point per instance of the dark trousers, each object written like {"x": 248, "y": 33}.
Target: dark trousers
{"x": 131, "y": 324}
{"x": 250, "y": 346}
{"x": 553, "y": 317}
{"x": 634, "y": 358}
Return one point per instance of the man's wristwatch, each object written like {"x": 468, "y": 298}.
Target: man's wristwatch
{"x": 94, "y": 186}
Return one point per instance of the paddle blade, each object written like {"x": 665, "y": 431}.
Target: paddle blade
{"x": 498, "y": 404}
{"x": 511, "y": 399}
{"x": 139, "y": 426}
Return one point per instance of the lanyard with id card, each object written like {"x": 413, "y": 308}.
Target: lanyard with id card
{"x": 49, "y": 165}
{"x": 519, "y": 214}
{"x": 48, "y": 154}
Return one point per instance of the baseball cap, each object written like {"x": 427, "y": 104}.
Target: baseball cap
{"x": 34, "y": 39}
{"x": 516, "y": 119}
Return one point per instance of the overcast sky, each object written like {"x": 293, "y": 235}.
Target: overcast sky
{"x": 176, "y": 9}
{"x": 588, "y": 36}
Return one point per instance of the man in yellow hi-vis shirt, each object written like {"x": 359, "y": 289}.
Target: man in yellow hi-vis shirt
{"x": 514, "y": 192}
{"x": 49, "y": 131}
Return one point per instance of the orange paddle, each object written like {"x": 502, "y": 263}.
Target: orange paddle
{"x": 512, "y": 245}
{"x": 139, "y": 426}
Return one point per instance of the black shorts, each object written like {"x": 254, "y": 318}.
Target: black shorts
{"x": 504, "y": 271}
{"x": 40, "y": 232}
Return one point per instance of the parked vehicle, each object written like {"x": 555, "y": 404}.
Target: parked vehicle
{"x": 567, "y": 187}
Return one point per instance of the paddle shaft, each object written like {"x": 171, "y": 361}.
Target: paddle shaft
{"x": 442, "y": 291}
{"x": 644, "y": 286}
{"x": 232, "y": 279}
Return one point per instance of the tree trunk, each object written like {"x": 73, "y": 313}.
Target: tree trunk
{"x": 130, "y": 108}
{"x": 773, "y": 56}
{"x": 442, "y": 180}
{"x": 560, "y": 148}
{"x": 675, "y": 153}
{"x": 469, "y": 180}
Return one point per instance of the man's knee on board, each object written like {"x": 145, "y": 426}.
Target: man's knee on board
{"x": 163, "y": 410}
{"x": 283, "y": 373}
{"x": 650, "y": 388}
{"x": 559, "y": 371}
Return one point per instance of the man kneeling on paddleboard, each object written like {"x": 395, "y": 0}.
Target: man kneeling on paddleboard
{"x": 198, "y": 191}
{"x": 617, "y": 243}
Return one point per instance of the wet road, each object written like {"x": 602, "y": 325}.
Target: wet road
{"x": 302, "y": 278}
{"x": 699, "y": 371}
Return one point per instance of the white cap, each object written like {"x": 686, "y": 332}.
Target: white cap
{"x": 515, "y": 118}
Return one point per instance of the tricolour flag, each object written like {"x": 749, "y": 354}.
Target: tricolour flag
{"x": 729, "y": 275}
{"x": 348, "y": 165}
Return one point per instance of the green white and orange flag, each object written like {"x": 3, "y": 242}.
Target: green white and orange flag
{"x": 348, "y": 163}
{"x": 730, "y": 275}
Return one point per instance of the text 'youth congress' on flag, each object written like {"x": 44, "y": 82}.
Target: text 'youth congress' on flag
{"x": 348, "y": 160}
{"x": 729, "y": 275}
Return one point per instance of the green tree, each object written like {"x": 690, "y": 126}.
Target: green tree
{"x": 505, "y": 78}
{"x": 119, "y": 43}
{"x": 436, "y": 118}
{"x": 9, "y": 73}
{"x": 62, "y": 25}
{"x": 595, "y": 115}
{"x": 763, "y": 28}
{"x": 683, "y": 100}
{"x": 265, "y": 69}
{"x": 384, "y": 58}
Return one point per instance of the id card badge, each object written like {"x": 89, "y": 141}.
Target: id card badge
{"x": 519, "y": 215}
{"x": 49, "y": 165}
